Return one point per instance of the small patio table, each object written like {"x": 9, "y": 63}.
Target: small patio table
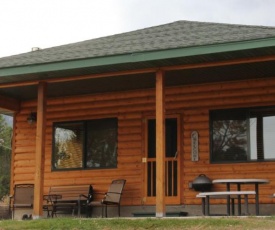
{"x": 239, "y": 182}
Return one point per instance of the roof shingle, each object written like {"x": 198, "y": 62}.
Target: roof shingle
{"x": 174, "y": 35}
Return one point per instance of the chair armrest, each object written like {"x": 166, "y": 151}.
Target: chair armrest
{"x": 82, "y": 195}
{"x": 52, "y": 197}
{"x": 100, "y": 193}
{"x": 114, "y": 193}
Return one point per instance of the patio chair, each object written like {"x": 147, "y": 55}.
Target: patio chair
{"x": 112, "y": 197}
{"x": 23, "y": 197}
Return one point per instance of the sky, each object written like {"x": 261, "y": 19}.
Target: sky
{"x": 25, "y": 24}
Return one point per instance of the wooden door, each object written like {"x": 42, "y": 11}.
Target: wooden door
{"x": 171, "y": 161}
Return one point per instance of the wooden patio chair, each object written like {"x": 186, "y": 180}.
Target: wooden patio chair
{"x": 112, "y": 197}
{"x": 22, "y": 197}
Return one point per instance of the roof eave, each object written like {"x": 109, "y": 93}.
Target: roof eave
{"x": 137, "y": 57}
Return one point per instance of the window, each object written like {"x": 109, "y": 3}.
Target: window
{"x": 85, "y": 144}
{"x": 241, "y": 135}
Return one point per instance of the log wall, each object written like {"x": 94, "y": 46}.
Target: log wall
{"x": 192, "y": 103}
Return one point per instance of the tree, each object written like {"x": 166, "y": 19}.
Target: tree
{"x": 5, "y": 155}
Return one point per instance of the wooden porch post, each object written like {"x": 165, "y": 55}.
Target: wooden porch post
{"x": 40, "y": 150}
{"x": 160, "y": 145}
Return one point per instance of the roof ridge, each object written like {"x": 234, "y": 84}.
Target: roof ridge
{"x": 229, "y": 24}
{"x": 160, "y": 26}
{"x": 178, "y": 22}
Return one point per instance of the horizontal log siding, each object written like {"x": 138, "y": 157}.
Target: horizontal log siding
{"x": 191, "y": 102}
{"x": 194, "y": 103}
{"x": 127, "y": 107}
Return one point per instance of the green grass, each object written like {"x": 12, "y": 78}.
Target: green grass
{"x": 142, "y": 223}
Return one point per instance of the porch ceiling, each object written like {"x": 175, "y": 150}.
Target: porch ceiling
{"x": 145, "y": 80}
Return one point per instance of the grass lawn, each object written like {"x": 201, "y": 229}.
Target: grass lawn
{"x": 143, "y": 223}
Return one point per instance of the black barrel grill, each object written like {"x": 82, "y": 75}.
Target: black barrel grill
{"x": 202, "y": 183}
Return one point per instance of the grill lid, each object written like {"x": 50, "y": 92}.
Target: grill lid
{"x": 202, "y": 179}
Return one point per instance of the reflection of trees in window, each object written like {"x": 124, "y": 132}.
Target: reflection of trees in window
{"x": 91, "y": 144}
{"x": 102, "y": 143}
{"x": 230, "y": 140}
{"x": 242, "y": 134}
{"x": 62, "y": 138}
{"x": 68, "y": 145}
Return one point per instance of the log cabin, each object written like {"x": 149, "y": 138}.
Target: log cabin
{"x": 156, "y": 107}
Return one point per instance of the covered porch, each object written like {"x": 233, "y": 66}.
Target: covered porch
{"x": 175, "y": 87}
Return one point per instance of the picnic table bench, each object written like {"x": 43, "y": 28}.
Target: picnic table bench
{"x": 205, "y": 196}
{"x": 67, "y": 198}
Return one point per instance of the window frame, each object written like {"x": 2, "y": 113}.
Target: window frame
{"x": 85, "y": 124}
{"x": 248, "y": 113}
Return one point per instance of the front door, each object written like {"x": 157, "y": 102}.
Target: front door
{"x": 171, "y": 161}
